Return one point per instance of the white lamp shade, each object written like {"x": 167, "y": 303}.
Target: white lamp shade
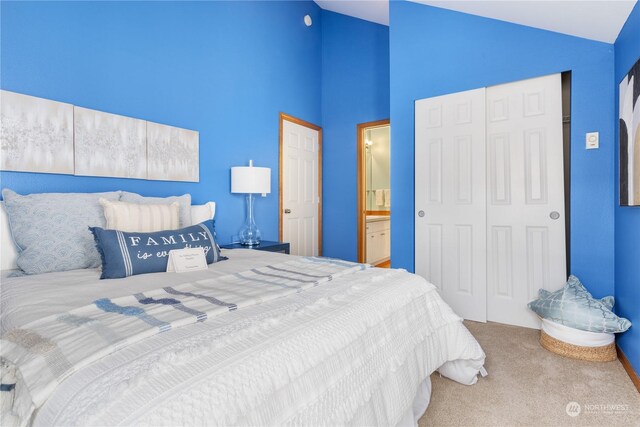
{"x": 250, "y": 179}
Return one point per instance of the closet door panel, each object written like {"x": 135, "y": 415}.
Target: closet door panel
{"x": 525, "y": 200}
{"x": 450, "y": 199}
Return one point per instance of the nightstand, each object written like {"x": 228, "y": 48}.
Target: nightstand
{"x": 264, "y": 245}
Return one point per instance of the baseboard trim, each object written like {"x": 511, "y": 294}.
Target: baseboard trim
{"x": 627, "y": 367}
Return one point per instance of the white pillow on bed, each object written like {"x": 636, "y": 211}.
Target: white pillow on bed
{"x": 184, "y": 201}
{"x": 9, "y": 253}
{"x": 201, "y": 213}
{"x": 142, "y": 217}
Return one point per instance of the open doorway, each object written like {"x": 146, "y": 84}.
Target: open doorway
{"x": 374, "y": 193}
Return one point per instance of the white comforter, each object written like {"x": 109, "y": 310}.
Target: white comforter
{"x": 351, "y": 351}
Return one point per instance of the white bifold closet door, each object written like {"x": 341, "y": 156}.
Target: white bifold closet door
{"x": 520, "y": 188}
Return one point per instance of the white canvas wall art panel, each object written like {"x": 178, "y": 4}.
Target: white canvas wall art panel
{"x": 173, "y": 153}
{"x": 630, "y": 137}
{"x": 36, "y": 134}
{"x": 109, "y": 145}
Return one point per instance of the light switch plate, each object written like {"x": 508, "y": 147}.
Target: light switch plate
{"x": 592, "y": 140}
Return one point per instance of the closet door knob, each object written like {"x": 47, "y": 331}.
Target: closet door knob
{"x": 287, "y": 211}
{"x": 554, "y": 215}
{"x": 421, "y": 214}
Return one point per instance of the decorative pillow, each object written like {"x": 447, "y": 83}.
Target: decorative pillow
{"x": 50, "y": 229}
{"x": 573, "y": 306}
{"x": 200, "y": 213}
{"x": 129, "y": 253}
{"x": 145, "y": 218}
{"x": 184, "y": 201}
{"x": 9, "y": 250}
{"x": 607, "y": 301}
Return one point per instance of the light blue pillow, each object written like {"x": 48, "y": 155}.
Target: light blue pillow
{"x": 129, "y": 253}
{"x": 573, "y": 306}
{"x": 184, "y": 201}
{"x": 51, "y": 229}
{"x": 607, "y": 301}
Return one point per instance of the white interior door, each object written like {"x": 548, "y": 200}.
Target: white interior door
{"x": 300, "y": 188}
{"x": 450, "y": 188}
{"x": 525, "y": 196}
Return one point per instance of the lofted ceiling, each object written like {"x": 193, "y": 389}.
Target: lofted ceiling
{"x": 599, "y": 20}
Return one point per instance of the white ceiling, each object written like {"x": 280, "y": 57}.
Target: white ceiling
{"x": 369, "y": 10}
{"x": 599, "y": 20}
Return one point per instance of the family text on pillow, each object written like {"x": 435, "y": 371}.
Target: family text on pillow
{"x": 129, "y": 253}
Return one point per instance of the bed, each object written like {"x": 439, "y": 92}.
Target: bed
{"x": 261, "y": 339}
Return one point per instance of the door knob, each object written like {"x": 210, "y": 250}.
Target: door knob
{"x": 554, "y": 215}
{"x": 287, "y": 211}
{"x": 420, "y": 214}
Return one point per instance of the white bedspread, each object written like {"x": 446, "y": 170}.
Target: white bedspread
{"x": 350, "y": 351}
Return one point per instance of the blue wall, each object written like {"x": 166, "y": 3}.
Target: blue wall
{"x": 436, "y": 51}
{"x": 627, "y": 52}
{"x": 355, "y": 89}
{"x": 228, "y": 68}
{"x": 225, "y": 69}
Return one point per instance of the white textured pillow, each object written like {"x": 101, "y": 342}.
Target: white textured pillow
{"x": 201, "y": 213}
{"x": 9, "y": 254}
{"x": 145, "y": 218}
{"x": 184, "y": 200}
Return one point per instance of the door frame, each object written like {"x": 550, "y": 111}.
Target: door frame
{"x": 292, "y": 119}
{"x": 360, "y": 196}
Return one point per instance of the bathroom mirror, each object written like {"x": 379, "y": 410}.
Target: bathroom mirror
{"x": 378, "y": 168}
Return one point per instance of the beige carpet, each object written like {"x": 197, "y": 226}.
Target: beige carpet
{"x": 529, "y": 386}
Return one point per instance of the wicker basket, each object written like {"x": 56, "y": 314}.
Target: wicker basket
{"x": 606, "y": 353}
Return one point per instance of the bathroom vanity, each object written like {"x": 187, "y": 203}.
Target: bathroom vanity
{"x": 378, "y": 239}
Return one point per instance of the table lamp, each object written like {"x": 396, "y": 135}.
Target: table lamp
{"x": 250, "y": 180}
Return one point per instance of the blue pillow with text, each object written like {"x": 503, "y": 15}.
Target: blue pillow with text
{"x": 129, "y": 253}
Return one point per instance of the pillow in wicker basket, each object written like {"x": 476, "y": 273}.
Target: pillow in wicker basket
{"x": 573, "y": 306}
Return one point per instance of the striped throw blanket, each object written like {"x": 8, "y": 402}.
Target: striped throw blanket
{"x": 39, "y": 355}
